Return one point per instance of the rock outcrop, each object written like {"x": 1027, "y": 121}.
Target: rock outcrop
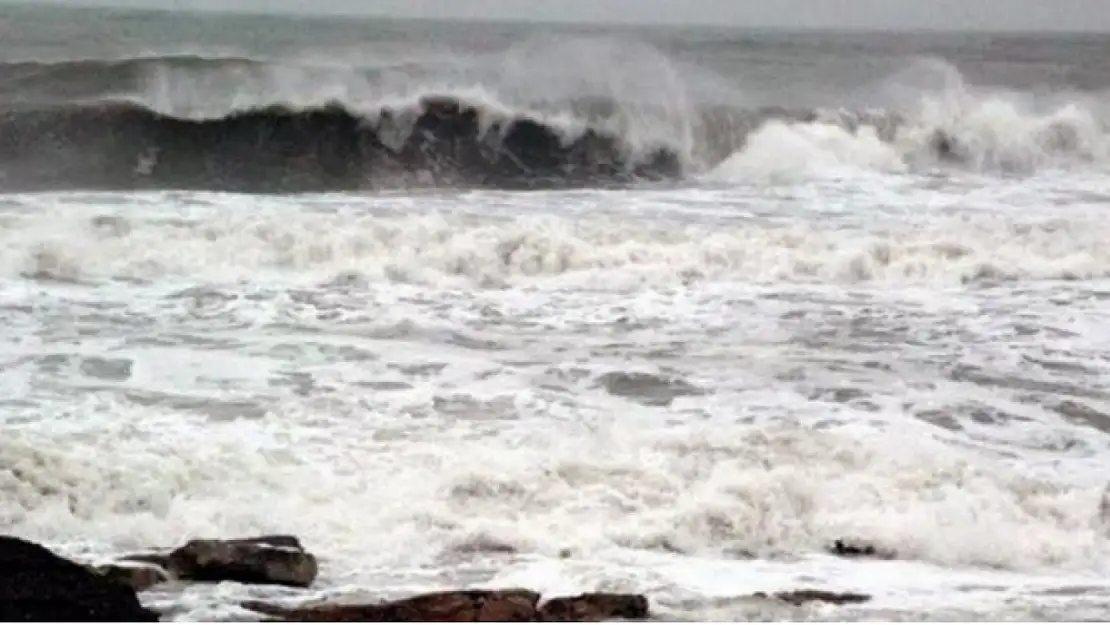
{"x": 38, "y": 585}
{"x": 509, "y": 605}
{"x": 279, "y": 560}
{"x": 594, "y": 607}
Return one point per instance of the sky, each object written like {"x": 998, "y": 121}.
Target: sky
{"x": 1055, "y": 15}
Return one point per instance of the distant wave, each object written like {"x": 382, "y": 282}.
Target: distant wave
{"x": 110, "y": 69}
{"x": 114, "y": 124}
{"x": 35, "y": 82}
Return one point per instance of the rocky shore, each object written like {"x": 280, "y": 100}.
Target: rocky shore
{"x": 38, "y": 585}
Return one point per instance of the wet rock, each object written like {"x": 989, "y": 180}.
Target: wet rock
{"x": 279, "y": 560}
{"x": 800, "y": 597}
{"x": 138, "y": 576}
{"x": 37, "y": 585}
{"x": 855, "y": 548}
{"x": 513, "y": 605}
{"x": 592, "y": 607}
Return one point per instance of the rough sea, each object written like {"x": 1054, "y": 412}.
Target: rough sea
{"x": 572, "y": 308}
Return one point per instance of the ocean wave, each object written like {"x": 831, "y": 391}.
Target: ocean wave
{"x": 439, "y": 141}
{"x": 227, "y": 123}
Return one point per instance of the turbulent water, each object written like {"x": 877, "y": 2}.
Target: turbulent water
{"x": 663, "y": 311}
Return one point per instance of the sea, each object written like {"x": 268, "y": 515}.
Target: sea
{"x": 664, "y": 310}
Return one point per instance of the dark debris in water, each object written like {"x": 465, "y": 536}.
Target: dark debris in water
{"x": 1083, "y": 414}
{"x": 801, "y": 597}
{"x": 975, "y": 375}
{"x": 842, "y": 395}
{"x": 646, "y": 388}
{"x": 856, "y": 548}
{"x": 114, "y": 369}
{"x": 215, "y": 409}
{"x": 940, "y": 418}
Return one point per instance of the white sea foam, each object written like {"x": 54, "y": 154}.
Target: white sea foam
{"x": 256, "y": 239}
{"x": 389, "y": 469}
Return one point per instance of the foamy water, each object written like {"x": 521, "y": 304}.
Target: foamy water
{"x": 889, "y": 327}
{"x": 683, "y": 392}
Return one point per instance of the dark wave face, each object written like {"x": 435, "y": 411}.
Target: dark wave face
{"x": 280, "y": 149}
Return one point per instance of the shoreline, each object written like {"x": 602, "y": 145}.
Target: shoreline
{"x": 38, "y": 584}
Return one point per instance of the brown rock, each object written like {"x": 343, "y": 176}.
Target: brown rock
{"x": 138, "y": 576}
{"x": 595, "y": 607}
{"x": 37, "y": 585}
{"x": 512, "y": 605}
{"x": 799, "y": 597}
{"x": 277, "y": 560}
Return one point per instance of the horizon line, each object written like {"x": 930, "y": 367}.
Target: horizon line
{"x": 494, "y": 20}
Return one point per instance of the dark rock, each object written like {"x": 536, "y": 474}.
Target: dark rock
{"x": 595, "y": 607}
{"x": 37, "y": 585}
{"x": 853, "y": 548}
{"x": 799, "y": 597}
{"x": 513, "y": 605}
{"x": 138, "y": 576}
{"x": 279, "y": 560}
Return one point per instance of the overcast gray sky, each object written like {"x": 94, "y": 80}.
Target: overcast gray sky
{"x": 1082, "y": 15}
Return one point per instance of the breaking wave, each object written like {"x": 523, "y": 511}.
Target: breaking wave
{"x": 439, "y": 141}
{"x": 237, "y": 124}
